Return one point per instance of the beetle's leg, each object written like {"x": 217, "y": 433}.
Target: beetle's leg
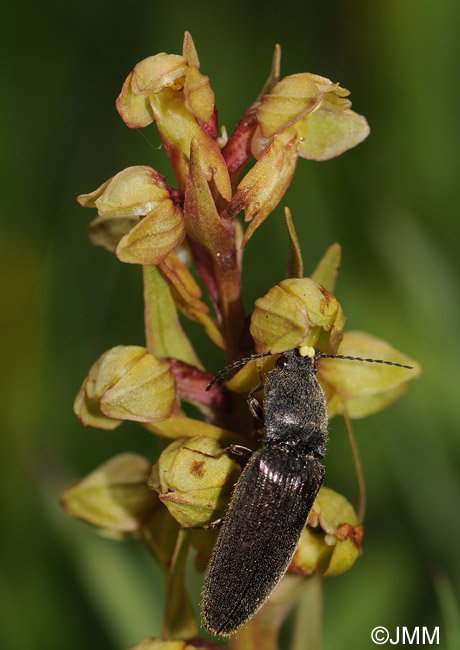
{"x": 239, "y": 454}
{"x": 254, "y": 406}
{"x": 214, "y": 524}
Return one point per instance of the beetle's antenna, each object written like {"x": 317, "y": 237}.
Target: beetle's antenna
{"x": 236, "y": 364}
{"x": 347, "y": 358}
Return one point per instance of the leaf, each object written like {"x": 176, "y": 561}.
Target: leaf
{"x": 164, "y": 333}
{"x": 202, "y": 220}
{"x": 328, "y": 267}
{"x": 212, "y": 163}
{"x": 295, "y": 264}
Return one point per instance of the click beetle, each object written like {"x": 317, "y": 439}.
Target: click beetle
{"x": 274, "y": 494}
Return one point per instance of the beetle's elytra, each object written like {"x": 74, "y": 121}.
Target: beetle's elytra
{"x": 272, "y": 499}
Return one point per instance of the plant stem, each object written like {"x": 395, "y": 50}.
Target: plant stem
{"x": 361, "y": 496}
{"x": 307, "y": 629}
{"x": 178, "y": 622}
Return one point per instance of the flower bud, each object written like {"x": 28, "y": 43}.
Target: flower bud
{"x": 126, "y": 383}
{"x": 290, "y": 100}
{"x": 115, "y": 496}
{"x": 302, "y": 115}
{"x": 331, "y": 541}
{"x": 170, "y": 90}
{"x": 137, "y": 216}
{"x": 297, "y": 311}
{"x": 316, "y": 110}
{"x": 195, "y": 480}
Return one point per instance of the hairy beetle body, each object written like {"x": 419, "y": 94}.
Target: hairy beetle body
{"x": 272, "y": 499}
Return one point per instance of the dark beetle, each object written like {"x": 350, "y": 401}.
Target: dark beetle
{"x": 272, "y": 499}
{"x": 274, "y": 495}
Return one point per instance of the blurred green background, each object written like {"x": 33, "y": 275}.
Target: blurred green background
{"x": 391, "y": 203}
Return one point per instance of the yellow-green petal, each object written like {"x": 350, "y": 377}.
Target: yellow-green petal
{"x": 199, "y": 96}
{"x": 135, "y": 191}
{"x": 290, "y": 100}
{"x": 107, "y": 231}
{"x": 149, "y": 76}
{"x": 88, "y": 411}
{"x": 154, "y": 237}
{"x": 111, "y": 367}
{"x": 160, "y": 71}
{"x": 115, "y": 496}
{"x": 359, "y": 388}
{"x": 189, "y": 51}
{"x": 326, "y": 134}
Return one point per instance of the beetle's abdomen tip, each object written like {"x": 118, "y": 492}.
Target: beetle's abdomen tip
{"x": 217, "y": 621}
